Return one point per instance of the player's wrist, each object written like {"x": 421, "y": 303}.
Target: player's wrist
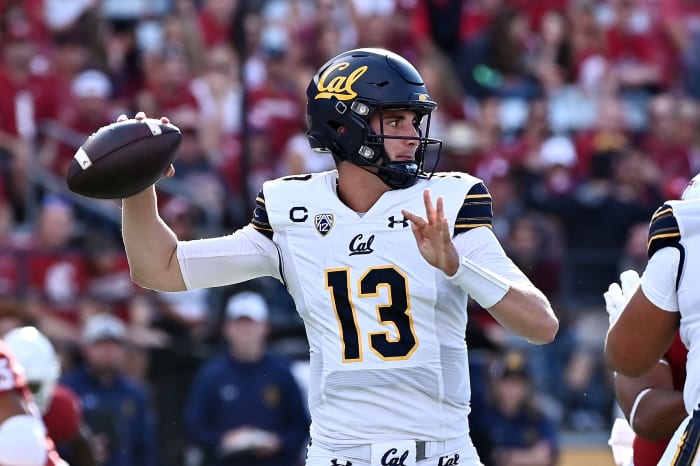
{"x": 452, "y": 265}
{"x": 484, "y": 286}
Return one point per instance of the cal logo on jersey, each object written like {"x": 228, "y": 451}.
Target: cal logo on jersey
{"x": 340, "y": 84}
{"x": 323, "y": 223}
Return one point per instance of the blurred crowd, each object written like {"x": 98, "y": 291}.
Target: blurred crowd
{"x": 581, "y": 116}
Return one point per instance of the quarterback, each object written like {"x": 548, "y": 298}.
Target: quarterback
{"x": 666, "y": 302}
{"x": 380, "y": 257}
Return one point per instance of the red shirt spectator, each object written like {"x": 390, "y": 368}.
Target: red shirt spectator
{"x": 460, "y": 21}
{"x": 535, "y": 11}
{"x": 167, "y": 91}
{"x": 57, "y": 272}
{"x": 216, "y": 22}
{"x": 639, "y": 52}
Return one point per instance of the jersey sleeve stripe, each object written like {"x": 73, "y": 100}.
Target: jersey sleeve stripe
{"x": 687, "y": 448}
{"x": 476, "y": 211}
{"x": 260, "y": 219}
{"x": 661, "y": 211}
{"x": 663, "y": 230}
{"x": 473, "y": 225}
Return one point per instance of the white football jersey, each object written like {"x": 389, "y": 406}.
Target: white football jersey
{"x": 671, "y": 279}
{"x": 385, "y": 329}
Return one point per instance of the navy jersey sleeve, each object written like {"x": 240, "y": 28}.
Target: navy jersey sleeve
{"x": 260, "y": 220}
{"x": 663, "y": 230}
{"x": 476, "y": 210}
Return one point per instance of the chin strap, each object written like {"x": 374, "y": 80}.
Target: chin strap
{"x": 399, "y": 175}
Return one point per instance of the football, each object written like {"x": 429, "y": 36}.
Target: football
{"x": 123, "y": 159}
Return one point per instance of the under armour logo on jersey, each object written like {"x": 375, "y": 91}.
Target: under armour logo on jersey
{"x": 323, "y": 223}
{"x": 392, "y": 458}
{"x": 334, "y": 462}
{"x": 357, "y": 246}
{"x": 449, "y": 460}
{"x": 393, "y": 221}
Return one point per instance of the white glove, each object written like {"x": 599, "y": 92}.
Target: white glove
{"x": 616, "y": 297}
{"x": 621, "y": 439}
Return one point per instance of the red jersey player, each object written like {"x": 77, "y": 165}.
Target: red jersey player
{"x": 23, "y": 439}
{"x": 653, "y": 404}
{"x": 58, "y": 405}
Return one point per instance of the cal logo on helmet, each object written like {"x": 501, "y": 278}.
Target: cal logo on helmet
{"x": 340, "y": 85}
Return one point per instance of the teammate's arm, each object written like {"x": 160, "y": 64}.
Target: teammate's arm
{"x": 652, "y": 406}
{"x": 640, "y": 336}
{"x": 644, "y": 330}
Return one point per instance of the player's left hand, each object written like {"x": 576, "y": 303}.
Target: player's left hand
{"x": 617, "y": 296}
{"x": 433, "y": 235}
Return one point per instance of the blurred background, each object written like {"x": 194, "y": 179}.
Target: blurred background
{"x": 581, "y": 116}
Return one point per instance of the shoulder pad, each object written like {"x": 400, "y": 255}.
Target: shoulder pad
{"x": 260, "y": 219}
{"x": 476, "y": 210}
{"x": 663, "y": 230}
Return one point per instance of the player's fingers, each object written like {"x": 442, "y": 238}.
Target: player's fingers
{"x": 429, "y": 209}
{"x": 122, "y": 117}
{"x": 440, "y": 210}
{"x": 170, "y": 172}
{"x": 629, "y": 279}
{"x": 140, "y": 116}
{"x": 415, "y": 219}
{"x": 165, "y": 120}
{"x": 613, "y": 296}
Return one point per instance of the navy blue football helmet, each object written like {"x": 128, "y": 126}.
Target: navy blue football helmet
{"x": 347, "y": 90}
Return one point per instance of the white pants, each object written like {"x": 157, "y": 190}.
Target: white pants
{"x": 682, "y": 450}
{"x": 454, "y": 452}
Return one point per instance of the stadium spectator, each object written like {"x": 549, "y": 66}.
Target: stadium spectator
{"x": 26, "y": 101}
{"x": 495, "y": 62}
{"x": 519, "y": 430}
{"x": 245, "y": 407}
{"x": 116, "y": 408}
{"x": 88, "y": 107}
{"x": 56, "y": 271}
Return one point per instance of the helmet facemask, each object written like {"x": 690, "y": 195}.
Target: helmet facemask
{"x": 397, "y": 174}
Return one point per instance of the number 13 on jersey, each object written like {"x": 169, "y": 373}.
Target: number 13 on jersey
{"x": 400, "y": 344}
